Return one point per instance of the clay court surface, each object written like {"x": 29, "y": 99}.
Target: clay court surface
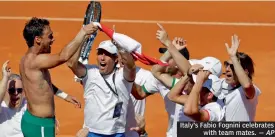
{"x": 203, "y": 40}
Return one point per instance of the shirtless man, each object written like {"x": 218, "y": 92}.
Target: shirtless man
{"x": 39, "y": 118}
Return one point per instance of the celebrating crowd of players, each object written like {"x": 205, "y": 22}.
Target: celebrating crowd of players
{"x": 115, "y": 89}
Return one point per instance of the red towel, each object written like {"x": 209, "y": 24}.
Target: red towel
{"x": 130, "y": 45}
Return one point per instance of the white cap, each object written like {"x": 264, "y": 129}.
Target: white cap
{"x": 215, "y": 67}
{"x": 214, "y": 84}
{"x": 193, "y": 61}
{"x": 108, "y": 46}
{"x": 211, "y": 64}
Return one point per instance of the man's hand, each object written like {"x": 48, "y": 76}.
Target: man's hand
{"x": 202, "y": 75}
{"x": 195, "y": 69}
{"x": 6, "y": 70}
{"x": 179, "y": 43}
{"x": 162, "y": 36}
{"x": 90, "y": 28}
{"x": 73, "y": 100}
{"x": 140, "y": 129}
{"x": 235, "y": 42}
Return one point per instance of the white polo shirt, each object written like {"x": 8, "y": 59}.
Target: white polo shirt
{"x": 155, "y": 86}
{"x": 100, "y": 101}
{"x": 136, "y": 106}
{"x": 141, "y": 78}
{"x": 179, "y": 113}
{"x": 179, "y": 116}
{"x": 130, "y": 118}
{"x": 237, "y": 106}
{"x": 10, "y": 120}
{"x": 215, "y": 111}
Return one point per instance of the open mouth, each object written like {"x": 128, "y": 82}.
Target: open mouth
{"x": 15, "y": 98}
{"x": 14, "y": 101}
{"x": 51, "y": 43}
{"x": 228, "y": 75}
{"x": 102, "y": 64}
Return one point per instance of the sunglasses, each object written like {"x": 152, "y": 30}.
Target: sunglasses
{"x": 226, "y": 64}
{"x": 12, "y": 90}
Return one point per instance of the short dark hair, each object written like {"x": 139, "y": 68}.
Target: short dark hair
{"x": 33, "y": 28}
{"x": 247, "y": 63}
{"x": 184, "y": 52}
{"x": 214, "y": 98}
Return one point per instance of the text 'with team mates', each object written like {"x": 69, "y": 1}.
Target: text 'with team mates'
{"x": 194, "y": 129}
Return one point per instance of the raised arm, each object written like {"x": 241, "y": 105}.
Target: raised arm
{"x": 47, "y": 61}
{"x": 175, "y": 94}
{"x": 77, "y": 67}
{"x": 6, "y": 72}
{"x": 129, "y": 68}
{"x": 157, "y": 70}
{"x": 191, "y": 107}
{"x": 243, "y": 78}
{"x": 182, "y": 63}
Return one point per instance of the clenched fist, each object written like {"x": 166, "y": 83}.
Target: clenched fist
{"x": 90, "y": 28}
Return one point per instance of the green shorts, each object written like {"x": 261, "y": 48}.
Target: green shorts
{"x": 33, "y": 126}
